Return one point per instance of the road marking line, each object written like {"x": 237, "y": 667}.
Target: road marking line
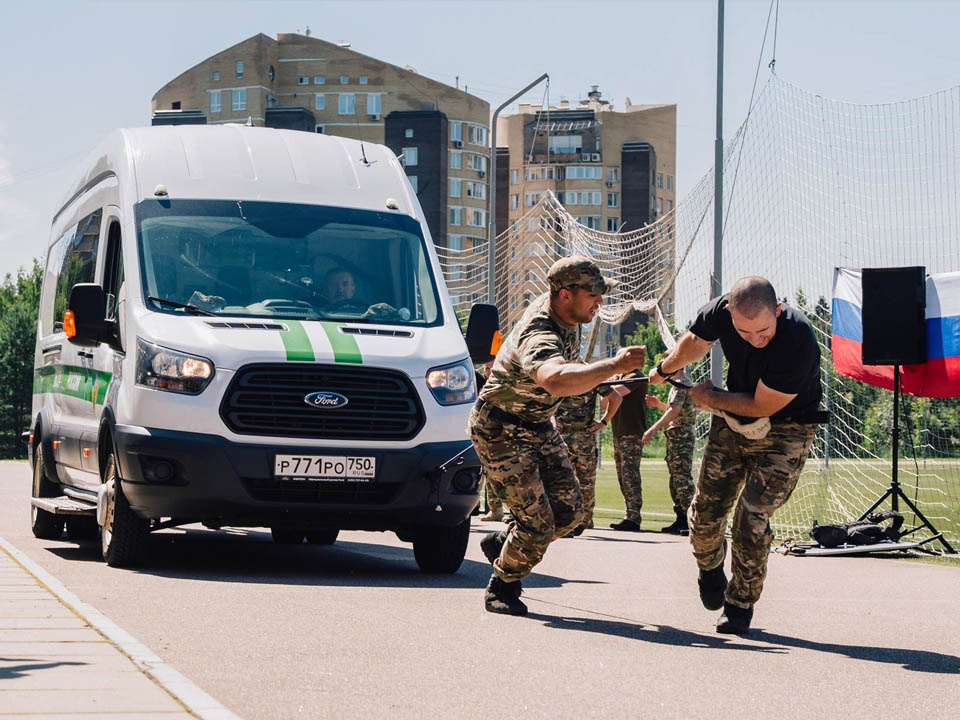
{"x": 192, "y": 697}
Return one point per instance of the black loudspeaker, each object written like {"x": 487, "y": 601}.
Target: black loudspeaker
{"x": 894, "y": 326}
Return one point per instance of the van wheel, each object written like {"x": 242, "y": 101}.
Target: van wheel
{"x": 322, "y": 536}
{"x": 286, "y": 536}
{"x": 124, "y": 536}
{"x": 45, "y": 525}
{"x": 81, "y": 528}
{"x": 441, "y": 549}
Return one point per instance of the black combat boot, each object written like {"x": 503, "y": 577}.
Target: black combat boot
{"x": 492, "y": 544}
{"x": 713, "y": 585}
{"x": 735, "y": 620}
{"x": 504, "y": 597}
{"x": 678, "y": 527}
{"x": 627, "y": 525}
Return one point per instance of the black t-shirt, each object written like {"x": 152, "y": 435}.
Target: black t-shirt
{"x": 631, "y": 418}
{"x": 790, "y": 363}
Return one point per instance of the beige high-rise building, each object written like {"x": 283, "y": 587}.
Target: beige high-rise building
{"x": 614, "y": 170}
{"x": 303, "y": 83}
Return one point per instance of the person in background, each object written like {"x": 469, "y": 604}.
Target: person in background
{"x": 628, "y": 426}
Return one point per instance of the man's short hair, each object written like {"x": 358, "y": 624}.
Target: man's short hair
{"x": 752, "y": 295}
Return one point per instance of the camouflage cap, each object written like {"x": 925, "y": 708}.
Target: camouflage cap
{"x": 579, "y": 271}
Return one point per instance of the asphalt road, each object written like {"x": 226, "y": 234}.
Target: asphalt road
{"x": 616, "y": 628}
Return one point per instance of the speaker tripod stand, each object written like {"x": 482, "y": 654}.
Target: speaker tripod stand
{"x": 895, "y": 492}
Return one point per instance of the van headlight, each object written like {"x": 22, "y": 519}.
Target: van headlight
{"x": 164, "y": 369}
{"x": 453, "y": 384}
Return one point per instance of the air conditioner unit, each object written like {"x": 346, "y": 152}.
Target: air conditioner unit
{"x": 585, "y": 157}
{"x": 610, "y": 183}
{"x": 374, "y": 116}
{"x": 595, "y": 157}
{"x": 458, "y": 143}
{"x": 482, "y": 173}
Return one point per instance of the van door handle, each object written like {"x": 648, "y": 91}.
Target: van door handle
{"x": 51, "y": 349}
{"x": 85, "y": 354}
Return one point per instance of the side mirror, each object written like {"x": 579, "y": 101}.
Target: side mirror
{"x": 84, "y": 322}
{"x": 483, "y": 333}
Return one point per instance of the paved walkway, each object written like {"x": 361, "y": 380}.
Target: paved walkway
{"x": 60, "y": 658}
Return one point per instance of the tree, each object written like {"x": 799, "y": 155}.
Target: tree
{"x": 19, "y": 303}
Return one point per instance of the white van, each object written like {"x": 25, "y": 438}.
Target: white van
{"x": 249, "y": 327}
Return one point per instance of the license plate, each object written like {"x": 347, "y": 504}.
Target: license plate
{"x": 331, "y": 468}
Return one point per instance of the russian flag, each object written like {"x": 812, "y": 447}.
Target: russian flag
{"x": 939, "y": 376}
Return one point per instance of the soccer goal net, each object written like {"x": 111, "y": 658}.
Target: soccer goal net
{"x": 809, "y": 184}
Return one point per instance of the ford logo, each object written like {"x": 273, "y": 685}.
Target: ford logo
{"x": 326, "y": 399}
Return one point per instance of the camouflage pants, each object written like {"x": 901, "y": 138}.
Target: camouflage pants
{"x": 627, "y": 451}
{"x": 680, "y": 444}
{"x": 766, "y": 471}
{"x": 494, "y": 501}
{"x": 532, "y": 473}
{"x": 582, "y": 449}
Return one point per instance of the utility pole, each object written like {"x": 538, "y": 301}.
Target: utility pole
{"x": 492, "y": 234}
{"x": 716, "y": 286}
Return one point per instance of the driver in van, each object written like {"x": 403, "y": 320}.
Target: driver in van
{"x": 340, "y": 288}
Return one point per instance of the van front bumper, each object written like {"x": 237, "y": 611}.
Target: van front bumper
{"x": 210, "y": 479}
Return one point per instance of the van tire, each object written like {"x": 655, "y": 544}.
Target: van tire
{"x": 286, "y": 535}
{"x": 441, "y": 549}
{"x": 322, "y": 536}
{"x": 125, "y": 537}
{"x": 45, "y": 525}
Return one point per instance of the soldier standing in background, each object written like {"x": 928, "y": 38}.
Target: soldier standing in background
{"x": 494, "y": 502}
{"x": 628, "y": 427}
{"x": 578, "y": 426}
{"x": 679, "y": 421}
{"x": 522, "y": 453}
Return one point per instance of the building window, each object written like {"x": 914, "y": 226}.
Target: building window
{"x": 215, "y": 101}
{"x": 670, "y": 182}
{"x": 455, "y": 242}
{"x": 216, "y": 75}
{"x": 408, "y": 132}
{"x": 319, "y": 101}
{"x": 477, "y": 190}
{"x": 590, "y": 221}
{"x": 344, "y": 79}
{"x": 659, "y": 206}
{"x": 669, "y": 205}
{"x": 659, "y": 180}
{"x": 456, "y": 161}
{"x": 456, "y": 187}
{"x": 239, "y": 68}
{"x": 514, "y": 177}
{"x": 456, "y": 131}
{"x": 347, "y": 105}
{"x": 373, "y": 104}
{"x": 319, "y": 80}
{"x": 363, "y": 79}
{"x": 476, "y": 135}
{"x": 613, "y": 224}
{"x": 410, "y": 156}
{"x": 303, "y": 80}
{"x": 240, "y": 99}
{"x": 413, "y": 182}
{"x": 613, "y": 199}
{"x": 456, "y": 216}
{"x": 477, "y": 162}
{"x": 514, "y": 202}
{"x": 175, "y": 105}
{"x": 565, "y": 144}
{"x": 584, "y": 172}
{"x": 271, "y": 73}
{"x": 477, "y": 218}
{"x": 319, "y": 129}
{"x": 613, "y": 175}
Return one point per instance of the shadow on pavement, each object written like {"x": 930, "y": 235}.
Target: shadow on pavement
{"x": 10, "y": 672}
{"x": 659, "y": 634}
{"x": 251, "y": 556}
{"x": 918, "y": 660}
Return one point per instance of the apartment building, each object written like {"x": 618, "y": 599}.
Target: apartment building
{"x": 303, "y": 83}
{"x": 614, "y": 170}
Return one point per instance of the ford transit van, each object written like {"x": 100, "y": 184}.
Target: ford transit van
{"x": 243, "y": 326}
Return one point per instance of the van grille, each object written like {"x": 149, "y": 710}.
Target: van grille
{"x": 322, "y": 492}
{"x": 268, "y": 399}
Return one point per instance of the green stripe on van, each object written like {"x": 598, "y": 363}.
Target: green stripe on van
{"x": 296, "y": 342}
{"x": 345, "y": 348}
{"x": 72, "y": 381}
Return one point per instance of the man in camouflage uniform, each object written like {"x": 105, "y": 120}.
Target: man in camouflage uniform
{"x": 628, "y": 426}
{"x": 521, "y": 451}
{"x": 773, "y": 372}
{"x": 679, "y": 421}
{"x": 578, "y": 426}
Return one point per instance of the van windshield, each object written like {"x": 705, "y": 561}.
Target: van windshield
{"x": 265, "y": 259}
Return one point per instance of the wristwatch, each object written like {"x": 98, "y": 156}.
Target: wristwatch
{"x": 602, "y": 422}
{"x": 663, "y": 373}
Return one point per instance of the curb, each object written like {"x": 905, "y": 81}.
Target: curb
{"x": 192, "y": 697}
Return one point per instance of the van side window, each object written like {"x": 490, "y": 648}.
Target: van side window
{"x": 79, "y": 263}
{"x": 113, "y": 272}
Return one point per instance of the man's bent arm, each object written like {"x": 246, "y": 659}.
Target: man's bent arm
{"x": 764, "y": 402}
{"x": 562, "y": 379}
{"x": 688, "y": 350}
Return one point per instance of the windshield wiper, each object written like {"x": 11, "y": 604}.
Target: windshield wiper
{"x": 192, "y": 309}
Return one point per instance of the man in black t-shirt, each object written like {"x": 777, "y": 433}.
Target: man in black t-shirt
{"x": 774, "y": 372}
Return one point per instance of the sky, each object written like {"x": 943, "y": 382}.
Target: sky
{"x": 75, "y": 71}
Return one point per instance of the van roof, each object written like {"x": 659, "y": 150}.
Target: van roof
{"x": 248, "y": 163}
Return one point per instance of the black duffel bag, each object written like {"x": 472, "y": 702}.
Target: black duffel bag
{"x": 868, "y": 531}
